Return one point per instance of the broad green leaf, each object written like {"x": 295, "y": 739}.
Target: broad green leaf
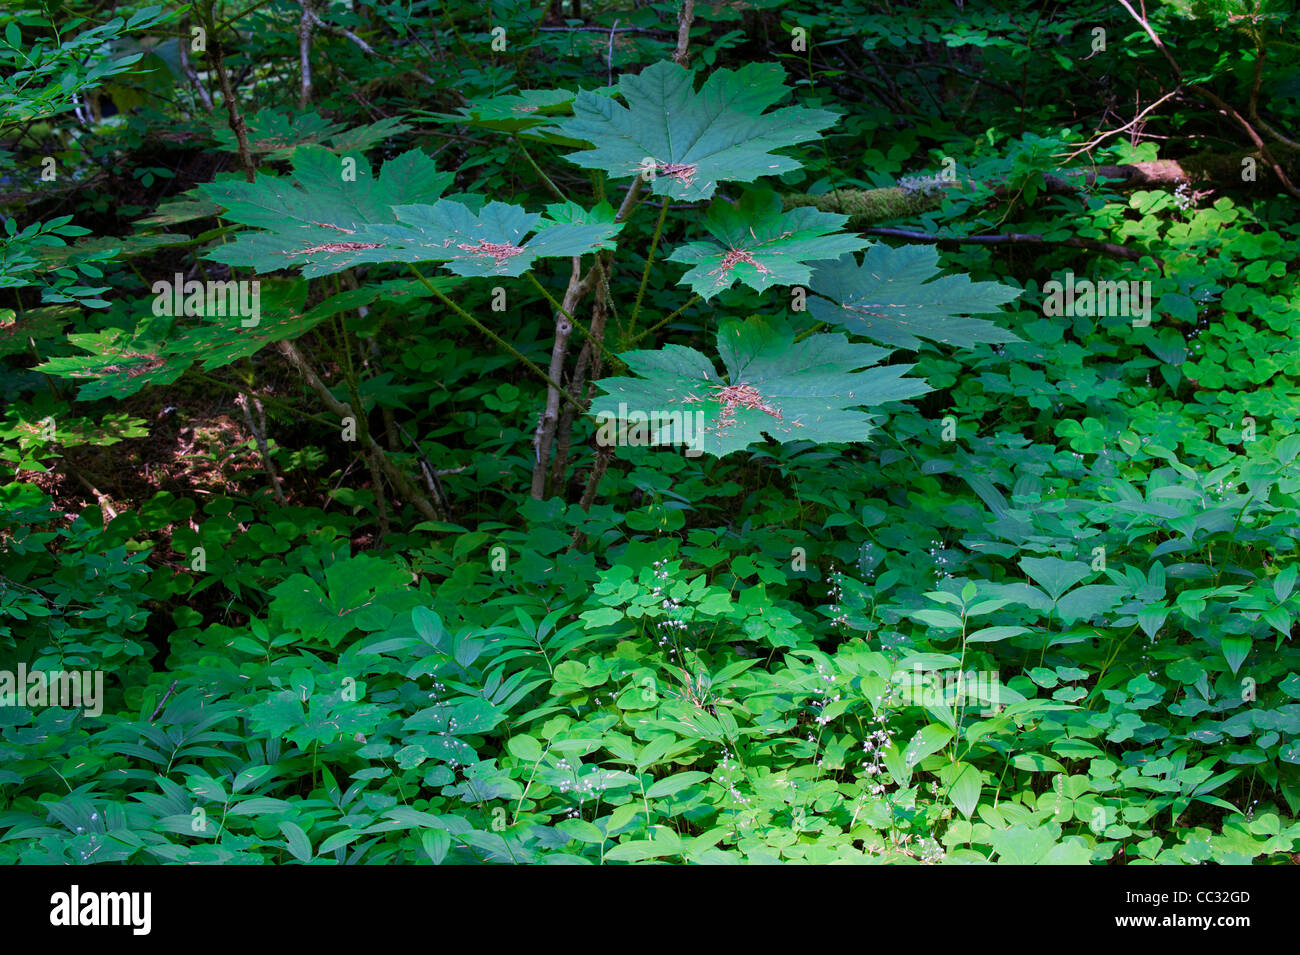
{"x": 898, "y": 297}
{"x": 1287, "y": 449}
{"x": 510, "y": 112}
{"x": 665, "y": 842}
{"x": 789, "y": 390}
{"x": 179, "y": 210}
{"x": 1021, "y": 845}
{"x": 434, "y": 842}
{"x": 279, "y": 133}
{"x": 283, "y": 316}
{"x": 690, "y": 141}
{"x": 1036, "y": 763}
{"x": 760, "y": 246}
{"x": 1235, "y": 650}
{"x": 119, "y": 364}
{"x": 621, "y": 817}
{"x": 1279, "y": 618}
{"x": 321, "y": 208}
{"x": 296, "y": 840}
{"x": 1028, "y": 595}
{"x": 359, "y": 592}
{"x": 1151, "y": 619}
{"x": 964, "y": 783}
{"x": 249, "y": 776}
{"x": 1054, "y": 575}
{"x": 429, "y": 626}
{"x": 929, "y": 739}
{"x": 321, "y": 201}
{"x": 1284, "y": 582}
{"x": 581, "y": 830}
{"x": 570, "y": 213}
{"x": 938, "y": 618}
{"x": 525, "y": 747}
{"x": 205, "y": 786}
{"x": 994, "y": 634}
{"x": 675, "y": 784}
{"x": 491, "y": 242}
{"x": 1084, "y": 603}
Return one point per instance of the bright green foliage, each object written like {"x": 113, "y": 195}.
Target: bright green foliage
{"x": 41, "y": 80}
{"x": 118, "y": 363}
{"x": 898, "y": 296}
{"x": 759, "y": 245}
{"x": 792, "y": 391}
{"x": 23, "y": 262}
{"x": 685, "y": 141}
{"x": 1046, "y": 613}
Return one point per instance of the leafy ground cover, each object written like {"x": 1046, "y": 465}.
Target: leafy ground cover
{"x": 755, "y": 432}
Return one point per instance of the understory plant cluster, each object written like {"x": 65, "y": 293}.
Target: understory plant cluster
{"x": 561, "y": 445}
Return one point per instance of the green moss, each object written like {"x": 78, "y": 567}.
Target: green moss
{"x": 869, "y": 206}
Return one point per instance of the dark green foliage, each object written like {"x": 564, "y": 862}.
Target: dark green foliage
{"x": 961, "y": 574}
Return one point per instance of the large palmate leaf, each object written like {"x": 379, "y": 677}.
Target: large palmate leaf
{"x": 327, "y": 223}
{"x": 689, "y": 141}
{"x": 520, "y": 114}
{"x": 217, "y": 341}
{"x": 898, "y": 297}
{"x": 283, "y": 317}
{"x": 177, "y": 211}
{"x": 509, "y": 112}
{"x": 759, "y": 245}
{"x": 792, "y": 391}
{"x": 490, "y": 242}
{"x": 279, "y": 133}
{"x": 320, "y": 208}
{"x": 121, "y": 363}
{"x": 570, "y": 213}
{"x": 118, "y": 364}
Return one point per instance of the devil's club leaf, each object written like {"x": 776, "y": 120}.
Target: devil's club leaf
{"x": 898, "y": 297}
{"x": 315, "y": 219}
{"x": 119, "y": 363}
{"x": 282, "y": 315}
{"x": 327, "y": 223}
{"x": 570, "y": 213}
{"x": 510, "y": 112}
{"x": 691, "y": 141}
{"x": 489, "y": 243}
{"x": 761, "y": 246}
{"x": 278, "y": 133}
{"x": 519, "y": 114}
{"x": 274, "y": 130}
{"x": 360, "y": 138}
{"x": 792, "y": 391}
{"x": 178, "y": 211}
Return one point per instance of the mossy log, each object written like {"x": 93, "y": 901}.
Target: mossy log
{"x": 866, "y": 207}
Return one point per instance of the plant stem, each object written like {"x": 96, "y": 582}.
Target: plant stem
{"x": 538, "y": 169}
{"x": 491, "y": 334}
{"x": 649, "y": 261}
{"x": 576, "y": 324}
{"x": 664, "y": 321}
